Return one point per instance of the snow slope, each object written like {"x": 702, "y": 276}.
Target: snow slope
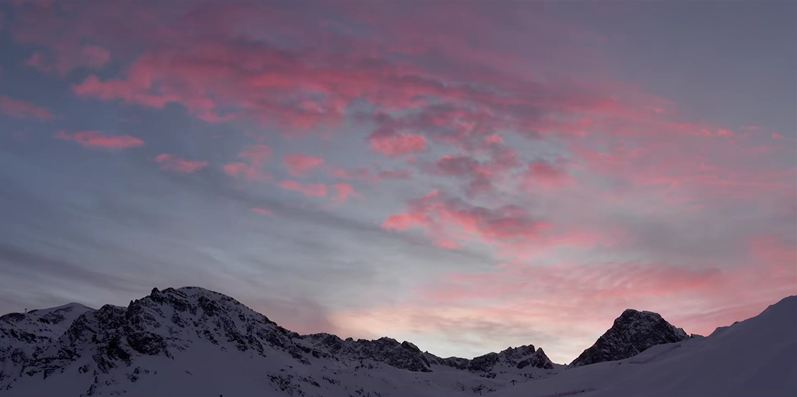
{"x": 756, "y": 357}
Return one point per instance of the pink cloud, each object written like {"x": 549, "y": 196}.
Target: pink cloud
{"x": 446, "y": 244}
{"x": 405, "y": 221}
{"x": 779, "y": 137}
{"x": 449, "y": 219}
{"x": 170, "y": 162}
{"x": 397, "y": 144}
{"x": 344, "y": 192}
{"x": 317, "y": 190}
{"x": 236, "y": 169}
{"x": 494, "y": 139}
{"x": 439, "y": 81}
{"x": 565, "y": 307}
{"x": 373, "y": 176}
{"x": 457, "y": 166}
{"x": 300, "y": 165}
{"x": 262, "y": 211}
{"x": 255, "y": 155}
{"x": 547, "y": 176}
{"x": 23, "y": 110}
{"x": 357, "y": 174}
{"x": 66, "y": 59}
{"x": 95, "y": 139}
{"x": 481, "y": 175}
{"x": 395, "y": 175}
{"x": 134, "y": 92}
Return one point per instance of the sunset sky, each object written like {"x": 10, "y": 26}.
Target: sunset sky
{"x": 464, "y": 175}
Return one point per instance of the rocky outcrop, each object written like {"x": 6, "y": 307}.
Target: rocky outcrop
{"x": 632, "y": 333}
{"x": 24, "y": 337}
{"x": 518, "y": 357}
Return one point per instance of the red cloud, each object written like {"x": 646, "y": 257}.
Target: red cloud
{"x": 22, "y": 110}
{"x": 397, "y": 144}
{"x": 317, "y": 190}
{"x": 95, "y": 139}
{"x": 300, "y": 165}
{"x": 170, "y": 162}
{"x": 344, "y": 192}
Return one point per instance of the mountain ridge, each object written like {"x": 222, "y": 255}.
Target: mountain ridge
{"x": 110, "y": 342}
{"x": 193, "y": 340}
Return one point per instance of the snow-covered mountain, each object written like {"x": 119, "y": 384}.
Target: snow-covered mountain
{"x": 191, "y": 341}
{"x": 751, "y": 358}
{"x": 199, "y": 342}
{"x": 24, "y": 337}
{"x": 632, "y": 333}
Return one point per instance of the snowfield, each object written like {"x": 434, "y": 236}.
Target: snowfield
{"x": 191, "y": 341}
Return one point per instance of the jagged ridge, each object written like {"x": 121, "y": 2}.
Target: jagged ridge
{"x": 167, "y": 323}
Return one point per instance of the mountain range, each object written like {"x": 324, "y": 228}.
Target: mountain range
{"x": 192, "y": 341}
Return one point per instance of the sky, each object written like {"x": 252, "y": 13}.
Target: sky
{"x": 463, "y": 175}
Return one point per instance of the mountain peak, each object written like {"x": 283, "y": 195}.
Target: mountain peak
{"x": 632, "y": 333}
{"x": 634, "y": 312}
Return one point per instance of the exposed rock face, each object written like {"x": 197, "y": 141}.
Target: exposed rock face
{"x": 24, "y": 337}
{"x": 632, "y": 333}
{"x": 518, "y": 357}
{"x": 106, "y": 347}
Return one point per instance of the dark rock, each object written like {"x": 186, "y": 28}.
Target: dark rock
{"x": 632, "y": 333}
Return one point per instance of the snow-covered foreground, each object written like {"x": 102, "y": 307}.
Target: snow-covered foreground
{"x": 196, "y": 342}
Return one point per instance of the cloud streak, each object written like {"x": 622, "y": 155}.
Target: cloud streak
{"x": 172, "y": 163}
{"x": 23, "y": 110}
{"x": 98, "y": 140}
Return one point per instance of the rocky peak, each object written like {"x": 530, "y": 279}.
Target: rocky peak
{"x": 632, "y": 333}
{"x": 517, "y": 357}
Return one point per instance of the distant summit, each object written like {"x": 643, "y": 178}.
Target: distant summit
{"x": 632, "y": 333}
